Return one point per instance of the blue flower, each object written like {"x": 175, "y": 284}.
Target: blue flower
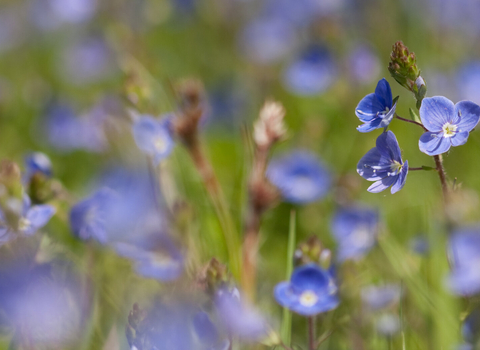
{"x": 37, "y": 162}
{"x": 379, "y": 297}
{"x": 312, "y": 73}
{"x": 464, "y": 248}
{"x": 447, "y": 124}
{"x": 153, "y": 137}
{"x": 156, "y": 258}
{"x": 310, "y": 291}
{"x": 238, "y": 317}
{"x": 376, "y": 110}
{"x": 87, "y": 217}
{"x": 364, "y": 64}
{"x": 471, "y": 327}
{"x": 355, "y": 230}
{"x": 383, "y": 164}
{"x": 300, "y": 177}
{"x": 208, "y": 333}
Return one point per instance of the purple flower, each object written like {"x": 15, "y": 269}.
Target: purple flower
{"x": 355, "y": 230}
{"x": 447, "y": 124}
{"x": 238, "y": 317}
{"x": 153, "y": 137}
{"x": 468, "y": 82}
{"x": 310, "y": 291}
{"x": 379, "y": 297}
{"x": 37, "y": 162}
{"x": 376, "y": 110}
{"x": 300, "y": 177}
{"x": 464, "y": 248}
{"x": 265, "y": 40}
{"x": 383, "y": 164}
{"x": 363, "y": 63}
{"x": 312, "y": 73}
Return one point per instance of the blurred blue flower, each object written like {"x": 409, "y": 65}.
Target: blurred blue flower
{"x": 419, "y": 244}
{"x": 87, "y": 217}
{"x": 363, "y": 64}
{"x": 376, "y": 110}
{"x": 37, "y": 162}
{"x": 208, "y": 333}
{"x": 447, "y": 124}
{"x": 380, "y": 297}
{"x": 157, "y": 258}
{"x": 49, "y": 15}
{"x": 153, "y": 137}
{"x": 86, "y": 61}
{"x": 311, "y": 73}
{"x": 300, "y": 177}
{"x": 355, "y": 229}
{"x": 265, "y": 40}
{"x": 310, "y": 291}
{"x": 38, "y": 307}
{"x": 468, "y": 81}
{"x": 239, "y": 318}
{"x": 67, "y": 132}
{"x": 471, "y": 327}
{"x": 383, "y": 164}
{"x": 464, "y": 249}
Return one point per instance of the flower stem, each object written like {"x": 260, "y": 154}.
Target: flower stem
{"x": 311, "y": 333}
{"x": 442, "y": 175}
{"x": 414, "y": 169}
{"x": 411, "y": 121}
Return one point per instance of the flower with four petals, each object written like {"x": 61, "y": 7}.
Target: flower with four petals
{"x": 447, "y": 124}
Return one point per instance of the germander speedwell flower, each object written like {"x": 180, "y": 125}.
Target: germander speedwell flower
{"x": 310, "y": 291}
{"x": 383, "y": 164}
{"x": 447, "y": 124}
{"x": 376, "y": 110}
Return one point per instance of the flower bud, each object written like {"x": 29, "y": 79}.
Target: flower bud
{"x": 312, "y": 251}
{"x": 269, "y": 127}
{"x": 403, "y": 68}
{"x": 215, "y": 277}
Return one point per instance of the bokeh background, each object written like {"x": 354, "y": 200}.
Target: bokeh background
{"x": 72, "y": 70}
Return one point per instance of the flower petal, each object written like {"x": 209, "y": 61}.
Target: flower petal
{"x": 402, "y": 177}
{"x": 459, "y": 138}
{"x": 388, "y": 147}
{"x": 368, "y": 108}
{"x": 382, "y": 184}
{"x": 373, "y": 166}
{"x": 469, "y": 113}
{"x": 38, "y": 216}
{"x": 436, "y": 111}
{"x": 432, "y": 143}
{"x": 372, "y": 125}
{"x": 388, "y": 117}
{"x": 384, "y": 93}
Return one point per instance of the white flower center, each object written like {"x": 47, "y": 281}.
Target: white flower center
{"x": 24, "y": 224}
{"x": 308, "y": 298}
{"x": 449, "y": 130}
{"x": 160, "y": 144}
{"x": 395, "y": 167}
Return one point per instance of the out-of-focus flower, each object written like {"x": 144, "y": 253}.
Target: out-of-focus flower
{"x": 301, "y": 13}
{"x": 266, "y": 40}
{"x": 311, "y": 73}
{"x": 310, "y": 291}
{"x": 87, "y": 217}
{"x": 376, "y": 110}
{"x": 51, "y": 14}
{"x": 383, "y": 164}
{"x": 419, "y": 245}
{"x": 468, "y": 82}
{"x": 464, "y": 249}
{"x": 355, "y": 230}
{"x": 31, "y": 219}
{"x": 39, "y": 308}
{"x": 86, "y": 61}
{"x": 471, "y": 327}
{"x": 12, "y": 28}
{"x": 300, "y": 177}
{"x": 37, "y": 162}
{"x": 207, "y": 332}
{"x": 154, "y": 137}
{"x": 67, "y": 132}
{"x": 447, "y": 124}
{"x": 388, "y": 324}
{"x": 238, "y": 317}
{"x": 380, "y": 297}
{"x": 270, "y": 126}
{"x": 363, "y": 64}
{"x": 158, "y": 259}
